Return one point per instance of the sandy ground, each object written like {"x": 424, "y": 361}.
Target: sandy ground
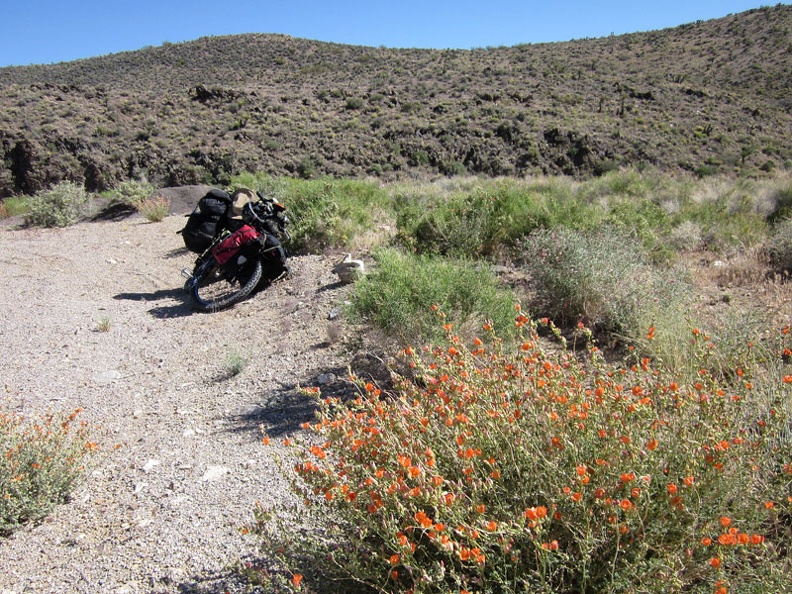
{"x": 163, "y": 511}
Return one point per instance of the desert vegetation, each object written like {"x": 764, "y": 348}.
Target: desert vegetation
{"x": 590, "y": 392}
{"x": 604, "y": 415}
{"x": 705, "y": 98}
{"x": 43, "y": 459}
{"x": 579, "y": 260}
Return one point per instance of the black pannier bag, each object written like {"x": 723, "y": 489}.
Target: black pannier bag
{"x": 206, "y": 220}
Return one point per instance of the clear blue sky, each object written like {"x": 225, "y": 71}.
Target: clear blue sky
{"x": 48, "y": 31}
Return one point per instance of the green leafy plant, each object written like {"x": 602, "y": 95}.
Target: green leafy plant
{"x": 60, "y": 206}
{"x": 401, "y": 290}
{"x": 42, "y": 460}
{"x": 133, "y": 193}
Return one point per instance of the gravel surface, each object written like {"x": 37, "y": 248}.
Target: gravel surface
{"x": 163, "y": 511}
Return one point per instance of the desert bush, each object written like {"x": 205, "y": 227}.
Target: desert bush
{"x": 398, "y": 294}
{"x": 154, "y": 208}
{"x": 14, "y": 206}
{"x": 602, "y": 279}
{"x": 779, "y": 248}
{"x": 134, "y": 193}
{"x": 485, "y": 219}
{"x": 42, "y": 461}
{"x": 325, "y": 214}
{"x": 60, "y": 206}
{"x": 779, "y": 199}
{"x": 234, "y": 363}
{"x": 685, "y": 237}
{"x": 534, "y": 469}
{"x": 731, "y": 215}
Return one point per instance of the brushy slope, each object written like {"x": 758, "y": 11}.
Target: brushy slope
{"x": 706, "y": 97}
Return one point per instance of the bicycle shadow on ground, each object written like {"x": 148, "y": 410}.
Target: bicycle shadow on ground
{"x": 176, "y": 310}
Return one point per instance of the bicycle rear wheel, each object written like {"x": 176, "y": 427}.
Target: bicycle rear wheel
{"x": 215, "y": 288}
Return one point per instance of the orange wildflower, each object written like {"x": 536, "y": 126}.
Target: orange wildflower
{"x": 727, "y": 539}
{"x": 550, "y": 546}
{"x": 424, "y": 520}
{"x": 296, "y": 579}
{"x": 715, "y": 562}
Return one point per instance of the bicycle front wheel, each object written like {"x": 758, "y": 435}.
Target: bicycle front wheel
{"x": 215, "y": 288}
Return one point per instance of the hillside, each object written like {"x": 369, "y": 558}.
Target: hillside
{"x": 708, "y": 97}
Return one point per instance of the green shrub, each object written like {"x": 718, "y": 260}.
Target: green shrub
{"x": 14, "y": 206}
{"x": 485, "y": 219}
{"x": 782, "y": 198}
{"x": 325, "y": 214}
{"x": 133, "y": 193}
{"x": 605, "y": 281}
{"x": 731, "y": 215}
{"x": 60, "y": 206}
{"x": 234, "y": 363}
{"x": 780, "y": 246}
{"x": 537, "y": 470}
{"x": 41, "y": 461}
{"x": 401, "y": 291}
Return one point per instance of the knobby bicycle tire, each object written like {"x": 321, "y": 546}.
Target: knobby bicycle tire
{"x": 212, "y": 290}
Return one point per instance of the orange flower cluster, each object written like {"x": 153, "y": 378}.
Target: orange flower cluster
{"x": 487, "y": 457}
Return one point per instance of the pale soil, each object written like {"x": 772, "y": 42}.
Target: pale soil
{"x": 163, "y": 511}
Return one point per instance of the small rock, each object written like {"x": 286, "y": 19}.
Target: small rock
{"x": 107, "y": 377}
{"x": 213, "y": 473}
{"x": 150, "y": 465}
{"x": 326, "y": 378}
